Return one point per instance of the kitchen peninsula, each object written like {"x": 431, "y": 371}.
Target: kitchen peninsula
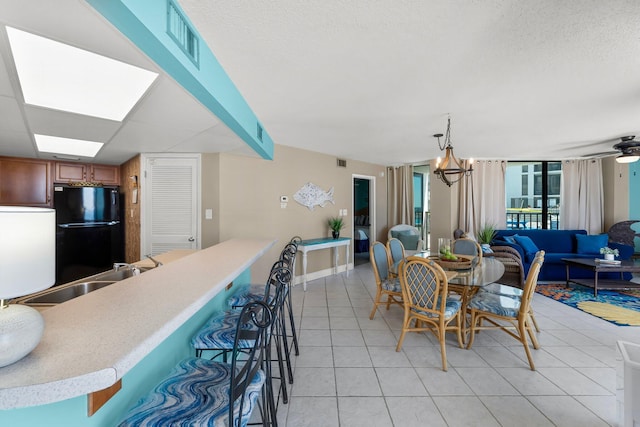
{"x": 132, "y": 331}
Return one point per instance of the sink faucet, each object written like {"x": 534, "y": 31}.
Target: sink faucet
{"x": 155, "y": 261}
{"x": 118, "y": 265}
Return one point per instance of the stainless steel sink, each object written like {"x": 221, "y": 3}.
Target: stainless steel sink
{"x": 120, "y": 274}
{"x": 63, "y": 293}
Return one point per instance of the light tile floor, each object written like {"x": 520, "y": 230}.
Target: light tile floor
{"x": 349, "y": 374}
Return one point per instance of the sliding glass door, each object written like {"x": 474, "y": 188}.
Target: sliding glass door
{"x": 533, "y": 194}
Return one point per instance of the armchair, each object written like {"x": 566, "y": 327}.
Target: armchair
{"x": 513, "y": 267}
{"x": 409, "y": 236}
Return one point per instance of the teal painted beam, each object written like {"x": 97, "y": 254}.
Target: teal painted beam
{"x": 144, "y": 22}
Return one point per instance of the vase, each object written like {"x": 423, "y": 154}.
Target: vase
{"x": 609, "y": 257}
{"x": 335, "y": 234}
{"x": 444, "y": 245}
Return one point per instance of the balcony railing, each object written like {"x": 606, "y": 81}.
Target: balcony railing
{"x": 521, "y": 219}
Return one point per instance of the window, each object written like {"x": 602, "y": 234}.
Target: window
{"x": 533, "y": 206}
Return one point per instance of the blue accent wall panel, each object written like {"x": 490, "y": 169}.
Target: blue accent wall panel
{"x": 634, "y": 190}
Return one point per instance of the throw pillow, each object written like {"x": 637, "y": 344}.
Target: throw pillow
{"x": 510, "y": 239}
{"x": 409, "y": 241}
{"x": 486, "y": 249}
{"x": 591, "y": 244}
{"x": 527, "y": 244}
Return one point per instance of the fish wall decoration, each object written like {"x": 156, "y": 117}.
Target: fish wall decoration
{"x": 310, "y": 195}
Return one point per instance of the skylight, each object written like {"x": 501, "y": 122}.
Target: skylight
{"x": 74, "y": 147}
{"x": 62, "y": 77}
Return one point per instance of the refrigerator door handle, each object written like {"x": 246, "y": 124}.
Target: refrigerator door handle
{"x": 88, "y": 224}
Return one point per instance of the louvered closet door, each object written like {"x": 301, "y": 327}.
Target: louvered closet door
{"x": 171, "y": 204}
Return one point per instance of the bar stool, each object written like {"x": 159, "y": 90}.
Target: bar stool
{"x": 201, "y": 392}
{"x": 218, "y": 333}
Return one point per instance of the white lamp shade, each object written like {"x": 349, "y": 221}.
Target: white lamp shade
{"x": 27, "y": 250}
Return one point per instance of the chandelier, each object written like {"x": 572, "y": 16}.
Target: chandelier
{"x": 451, "y": 170}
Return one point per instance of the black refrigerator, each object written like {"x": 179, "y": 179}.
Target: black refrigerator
{"x": 89, "y": 237}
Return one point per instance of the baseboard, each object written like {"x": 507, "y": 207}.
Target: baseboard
{"x": 321, "y": 273}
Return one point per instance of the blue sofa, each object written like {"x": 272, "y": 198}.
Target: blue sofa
{"x": 559, "y": 244}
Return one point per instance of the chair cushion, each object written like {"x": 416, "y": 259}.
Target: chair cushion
{"x": 409, "y": 241}
{"x": 452, "y": 306}
{"x": 500, "y": 289}
{"x": 495, "y": 303}
{"x": 527, "y": 244}
{"x": 196, "y": 393}
{"x": 220, "y": 331}
{"x": 392, "y": 285}
{"x": 591, "y": 244}
{"x": 251, "y": 293}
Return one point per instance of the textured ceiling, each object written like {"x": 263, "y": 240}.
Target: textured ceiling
{"x": 374, "y": 80}
{"x": 366, "y": 80}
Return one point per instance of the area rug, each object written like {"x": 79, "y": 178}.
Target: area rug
{"x": 618, "y": 307}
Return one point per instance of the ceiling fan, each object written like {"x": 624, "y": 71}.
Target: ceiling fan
{"x": 628, "y": 148}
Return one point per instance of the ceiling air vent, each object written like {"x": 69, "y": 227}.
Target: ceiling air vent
{"x": 182, "y": 33}
{"x": 342, "y": 163}
{"x": 259, "y": 133}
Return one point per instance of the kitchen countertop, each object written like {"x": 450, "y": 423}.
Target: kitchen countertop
{"x": 92, "y": 341}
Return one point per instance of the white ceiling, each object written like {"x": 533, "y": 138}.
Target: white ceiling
{"x": 374, "y": 80}
{"x": 167, "y": 119}
{"x": 365, "y": 80}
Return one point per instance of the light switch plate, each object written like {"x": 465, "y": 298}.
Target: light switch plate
{"x": 208, "y": 214}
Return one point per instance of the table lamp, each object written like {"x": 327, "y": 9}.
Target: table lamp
{"x": 27, "y": 265}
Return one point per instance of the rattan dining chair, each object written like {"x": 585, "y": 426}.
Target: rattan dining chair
{"x": 427, "y": 303}
{"x": 508, "y": 313}
{"x": 386, "y": 285}
{"x": 396, "y": 252}
{"x": 466, "y": 246}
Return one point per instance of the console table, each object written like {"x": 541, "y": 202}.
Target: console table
{"x": 323, "y": 243}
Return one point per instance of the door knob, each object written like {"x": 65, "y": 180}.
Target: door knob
{"x": 191, "y": 239}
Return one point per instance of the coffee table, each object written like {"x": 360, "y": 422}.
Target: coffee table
{"x": 627, "y": 266}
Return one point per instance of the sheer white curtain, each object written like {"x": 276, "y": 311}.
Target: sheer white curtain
{"x": 400, "y": 195}
{"x": 581, "y": 196}
{"x": 482, "y": 196}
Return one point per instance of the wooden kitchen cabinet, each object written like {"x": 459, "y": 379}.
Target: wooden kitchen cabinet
{"x": 87, "y": 172}
{"x": 25, "y": 182}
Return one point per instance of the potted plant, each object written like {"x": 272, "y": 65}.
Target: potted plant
{"x": 609, "y": 254}
{"x": 485, "y": 235}
{"x": 336, "y": 223}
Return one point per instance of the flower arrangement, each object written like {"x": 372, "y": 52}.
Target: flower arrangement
{"x": 608, "y": 251}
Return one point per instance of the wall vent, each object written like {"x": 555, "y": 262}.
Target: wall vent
{"x": 260, "y": 132}
{"x": 182, "y": 33}
{"x": 342, "y": 163}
